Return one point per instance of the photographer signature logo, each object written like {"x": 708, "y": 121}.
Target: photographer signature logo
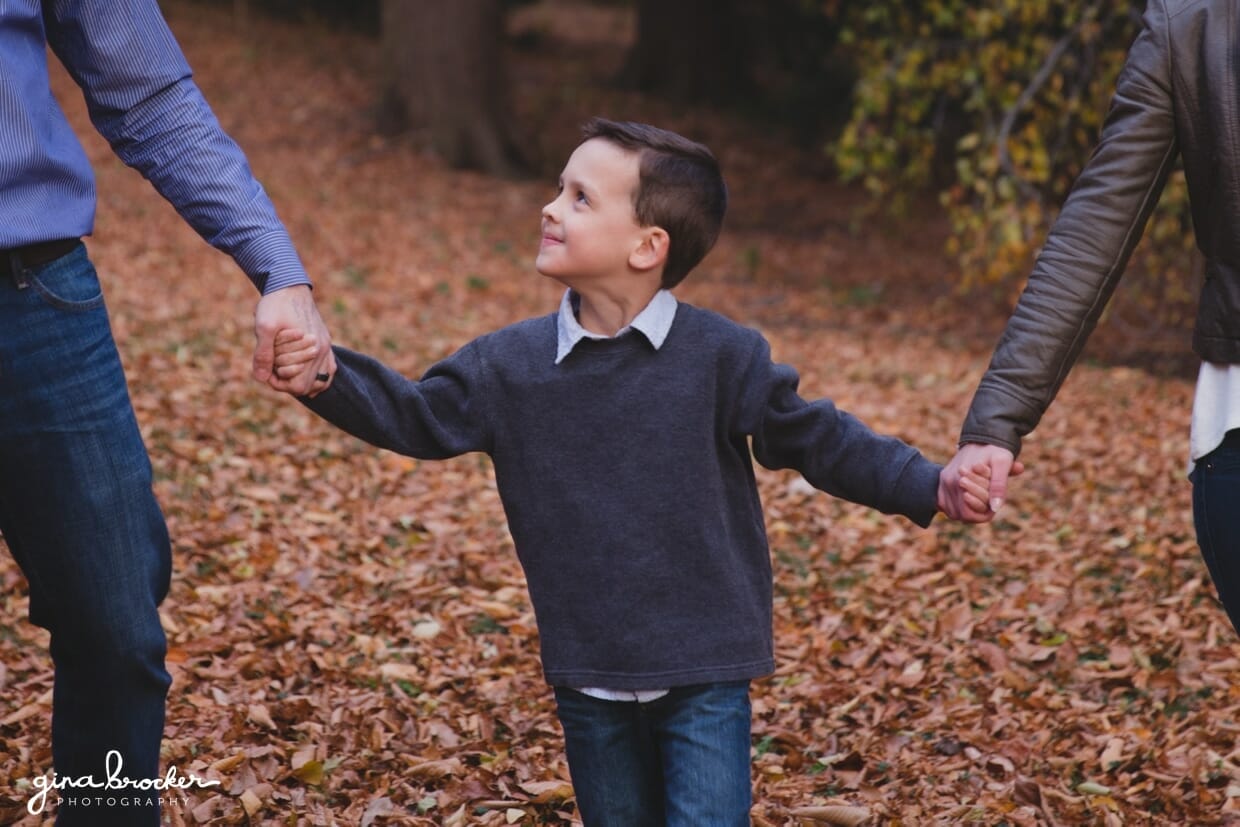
{"x": 121, "y": 790}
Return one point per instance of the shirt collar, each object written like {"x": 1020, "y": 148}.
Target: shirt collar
{"x": 654, "y": 322}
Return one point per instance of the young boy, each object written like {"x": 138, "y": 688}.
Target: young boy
{"x": 620, "y": 430}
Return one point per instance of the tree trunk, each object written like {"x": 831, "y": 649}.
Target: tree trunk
{"x": 691, "y": 50}
{"x": 445, "y": 73}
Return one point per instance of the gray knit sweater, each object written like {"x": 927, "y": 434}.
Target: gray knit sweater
{"x": 626, "y": 476}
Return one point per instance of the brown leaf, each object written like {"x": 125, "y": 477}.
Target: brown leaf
{"x": 401, "y": 672}
{"x": 841, "y": 815}
{"x": 436, "y": 769}
{"x": 545, "y": 791}
{"x": 41, "y": 706}
{"x": 914, "y": 672}
{"x": 1113, "y": 753}
{"x": 259, "y": 714}
{"x": 994, "y": 657}
{"x": 1027, "y": 792}
{"x": 377, "y": 808}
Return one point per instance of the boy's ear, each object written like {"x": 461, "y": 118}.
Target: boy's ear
{"x": 651, "y": 250}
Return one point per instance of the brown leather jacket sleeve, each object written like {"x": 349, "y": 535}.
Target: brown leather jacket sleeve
{"x": 1087, "y": 248}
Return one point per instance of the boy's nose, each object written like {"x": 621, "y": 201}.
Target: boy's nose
{"x": 548, "y": 211}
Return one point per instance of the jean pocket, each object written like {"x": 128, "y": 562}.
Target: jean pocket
{"x": 75, "y": 291}
{"x": 1225, "y": 460}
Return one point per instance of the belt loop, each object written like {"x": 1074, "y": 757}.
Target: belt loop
{"x": 18, "y": 270}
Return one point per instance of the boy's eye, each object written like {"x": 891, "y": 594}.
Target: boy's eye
{"x": 581, "y": 196}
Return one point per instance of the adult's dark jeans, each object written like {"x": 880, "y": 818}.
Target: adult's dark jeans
{"x": 679, "y": 761}
{"x": 1216, "y": 514}
{"x": 79, "y": 516}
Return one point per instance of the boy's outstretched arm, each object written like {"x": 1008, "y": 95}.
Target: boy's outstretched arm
{"x": 441, "y": 415}
{"x": 832, "y": 449}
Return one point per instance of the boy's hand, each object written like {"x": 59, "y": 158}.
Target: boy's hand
{"x": 1000, "y": 464}
{"x": 974, "y": 489}
{"x": 294, "y": 351}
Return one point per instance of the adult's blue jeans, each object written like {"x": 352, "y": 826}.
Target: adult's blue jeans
{"x": 79, "y": 516}
{"x": 679, "y": 761}
{"x": 1216, "y": 515}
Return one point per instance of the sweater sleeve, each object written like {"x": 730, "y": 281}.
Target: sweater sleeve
{"x": 834, "y": 451}
{"x": 439, "y": 416}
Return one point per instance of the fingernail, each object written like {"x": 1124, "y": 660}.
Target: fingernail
{"x": 995, "y": 504}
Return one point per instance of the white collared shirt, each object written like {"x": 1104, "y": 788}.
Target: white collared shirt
{"x": 654, "y": 322}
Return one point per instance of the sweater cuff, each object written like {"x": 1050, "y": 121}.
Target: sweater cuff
{"x": 918, "y": 490}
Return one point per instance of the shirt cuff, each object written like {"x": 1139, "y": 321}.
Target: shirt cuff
{"x": 272, "y": 262}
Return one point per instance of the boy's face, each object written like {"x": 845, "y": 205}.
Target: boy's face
{"x": 590, "y": 229}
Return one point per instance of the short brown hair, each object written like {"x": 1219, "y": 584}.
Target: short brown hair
{"x": 679, "y": 189}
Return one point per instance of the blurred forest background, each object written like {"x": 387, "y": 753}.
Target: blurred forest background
{"x": 350, "y": 637}
{"x": 984, "y": 112}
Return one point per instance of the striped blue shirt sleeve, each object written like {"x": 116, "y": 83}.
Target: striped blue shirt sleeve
{"x": 142, "y": 98}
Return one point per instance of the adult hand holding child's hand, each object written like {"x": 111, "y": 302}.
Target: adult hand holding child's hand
{"x": 292, "y": 309}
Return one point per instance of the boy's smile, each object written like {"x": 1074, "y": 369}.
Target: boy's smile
{"x": 590, "y": 229}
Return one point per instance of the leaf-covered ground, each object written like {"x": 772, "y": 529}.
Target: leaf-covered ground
{"x": 351, "y": 641}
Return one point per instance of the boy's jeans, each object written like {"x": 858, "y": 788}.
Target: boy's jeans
{"x": 681, "y": 760}
{"x": 78, "y": 514}
{"x": 1216, "y": 513}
